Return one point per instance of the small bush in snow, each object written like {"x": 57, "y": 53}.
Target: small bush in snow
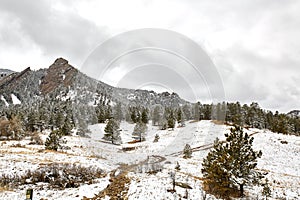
{"x": 53, "y": 140}
{"x": 187, "y": 151}
{"x": 266, "y": 191}
{"x": 177, "y": 167}
{"x": 156, "y": 138}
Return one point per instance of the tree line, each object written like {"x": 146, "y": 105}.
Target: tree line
{"x": 53, "y": 114}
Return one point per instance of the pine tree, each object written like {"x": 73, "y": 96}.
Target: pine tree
{"x": 139, "y": 130}
{"x": 156, "y": 138}
{"x": 157, "y": 115}
{"x": 118, "y": 114}
{"x": 32, "y": 121}
{"x": 135, "y": 115}
{"x": 100, "y": 113}
{"x": 187, "y": 151}
{"x": 171, "y": 120}
{"x": 145, "y": 118}
{"x": 243, "y": 158}
{"x": 163, "y": 124}
{"x": 59, "y": 120}
{"x": 266, "y": 191}
{"x": 66, "y": 129}
{"x": 112, "y": 130}
{"x": 196, "y": 111}
{"x": 108, "y": 112}
{"x": 214, "y": 171}
{"x": 186, "y": 109}
{"x": 232, "y": 163}
{"x": 53, "y": 140}
{"x": 180, "y": 117}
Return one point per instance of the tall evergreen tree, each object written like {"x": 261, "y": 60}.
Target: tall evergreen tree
{"x": 187, "y": 151}
{"x": 171, "y": 120}
{"x": 139, "y": 130}
{"x": 214, "y": 171}
{"x": 112, "y": 130}
{"x": 67, "y": 127}
{"x": 180, "y": 117}
{"x": 234, "y": 160}
{"x": 157, "y": 115}
{"x": 196, "y": 111}
{"x": 145, "y": 117}
{"x": 118, "y": 114}
{"x": 53, "y": 140}
{"x": 186, "y": 109}
{"x": 108, "y": 112}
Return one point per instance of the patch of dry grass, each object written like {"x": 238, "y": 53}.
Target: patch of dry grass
{"x": 218, "y": 122}
{"x": 193, "y": 121}
{"x": 57, "y": 175}
{"x": 117, "y": 189}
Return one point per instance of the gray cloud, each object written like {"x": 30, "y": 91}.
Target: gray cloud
{"x": 255, "y": 44}
{"x": 56, "y": 33}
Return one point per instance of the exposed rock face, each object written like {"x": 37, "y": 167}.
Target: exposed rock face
{"x": 21, "y": 84}
{"x": 12, "y": 80}
{"x": 60, "y": 73}
{"x": 61, "y": 77}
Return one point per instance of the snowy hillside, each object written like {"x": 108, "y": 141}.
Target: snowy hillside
{"x": 147, "y": 164}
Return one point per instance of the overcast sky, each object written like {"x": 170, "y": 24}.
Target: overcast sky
{"x": 254, "y": 44}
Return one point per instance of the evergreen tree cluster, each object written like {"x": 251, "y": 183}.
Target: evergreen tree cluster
{"x": 243, "y": 115}
{"x": 51, "y": 114}
{"x": 255, "y": 117}
{"x": 53, "y": 141}
{"x": 103, "y": 110}
{"x": 54, "y": 113}
{"x": 138, "y": 114}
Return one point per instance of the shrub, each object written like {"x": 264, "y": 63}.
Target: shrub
{"x": 53, "y": 141}
{"x": 187, "y": 151}
{"x": 156, "y": 138}
{"x": 57, "y": 175}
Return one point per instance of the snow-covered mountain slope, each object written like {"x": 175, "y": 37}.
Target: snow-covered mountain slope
{"x": 63, "y": 78}
{"x": 280, "y": 159}
{"x": 294, "y": 113}
{"x": 5, "y": 72}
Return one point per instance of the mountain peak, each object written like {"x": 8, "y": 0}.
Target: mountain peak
{"x": 62, "y": 76}
{"x": 59, "y": 73}
{"x": 60, "y": 61}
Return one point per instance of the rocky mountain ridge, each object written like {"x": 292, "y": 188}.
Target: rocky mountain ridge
{"x": 62, "y": 80}
{"x": 5, "y": 72}
{"x": 294, "y": 113}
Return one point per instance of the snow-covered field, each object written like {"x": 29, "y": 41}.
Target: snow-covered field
{"x": 281, "y": 159}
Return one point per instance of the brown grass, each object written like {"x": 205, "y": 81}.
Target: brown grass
{"x": 117, "y": 189}
{"x": 194, "y": 121}
{"x": 4, "y": 188}
{"x": 133, "y": 142}
{"x": 218, "y": 122}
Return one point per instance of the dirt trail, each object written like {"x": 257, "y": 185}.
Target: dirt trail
{"x": 119, "y": 182}
{"x": 203, "y": 147}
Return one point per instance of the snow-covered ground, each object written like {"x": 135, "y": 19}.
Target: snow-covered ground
{"x": 4, "y": 100}
{"x": 15, "y": 99}
{"x": 280, "y": 159}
